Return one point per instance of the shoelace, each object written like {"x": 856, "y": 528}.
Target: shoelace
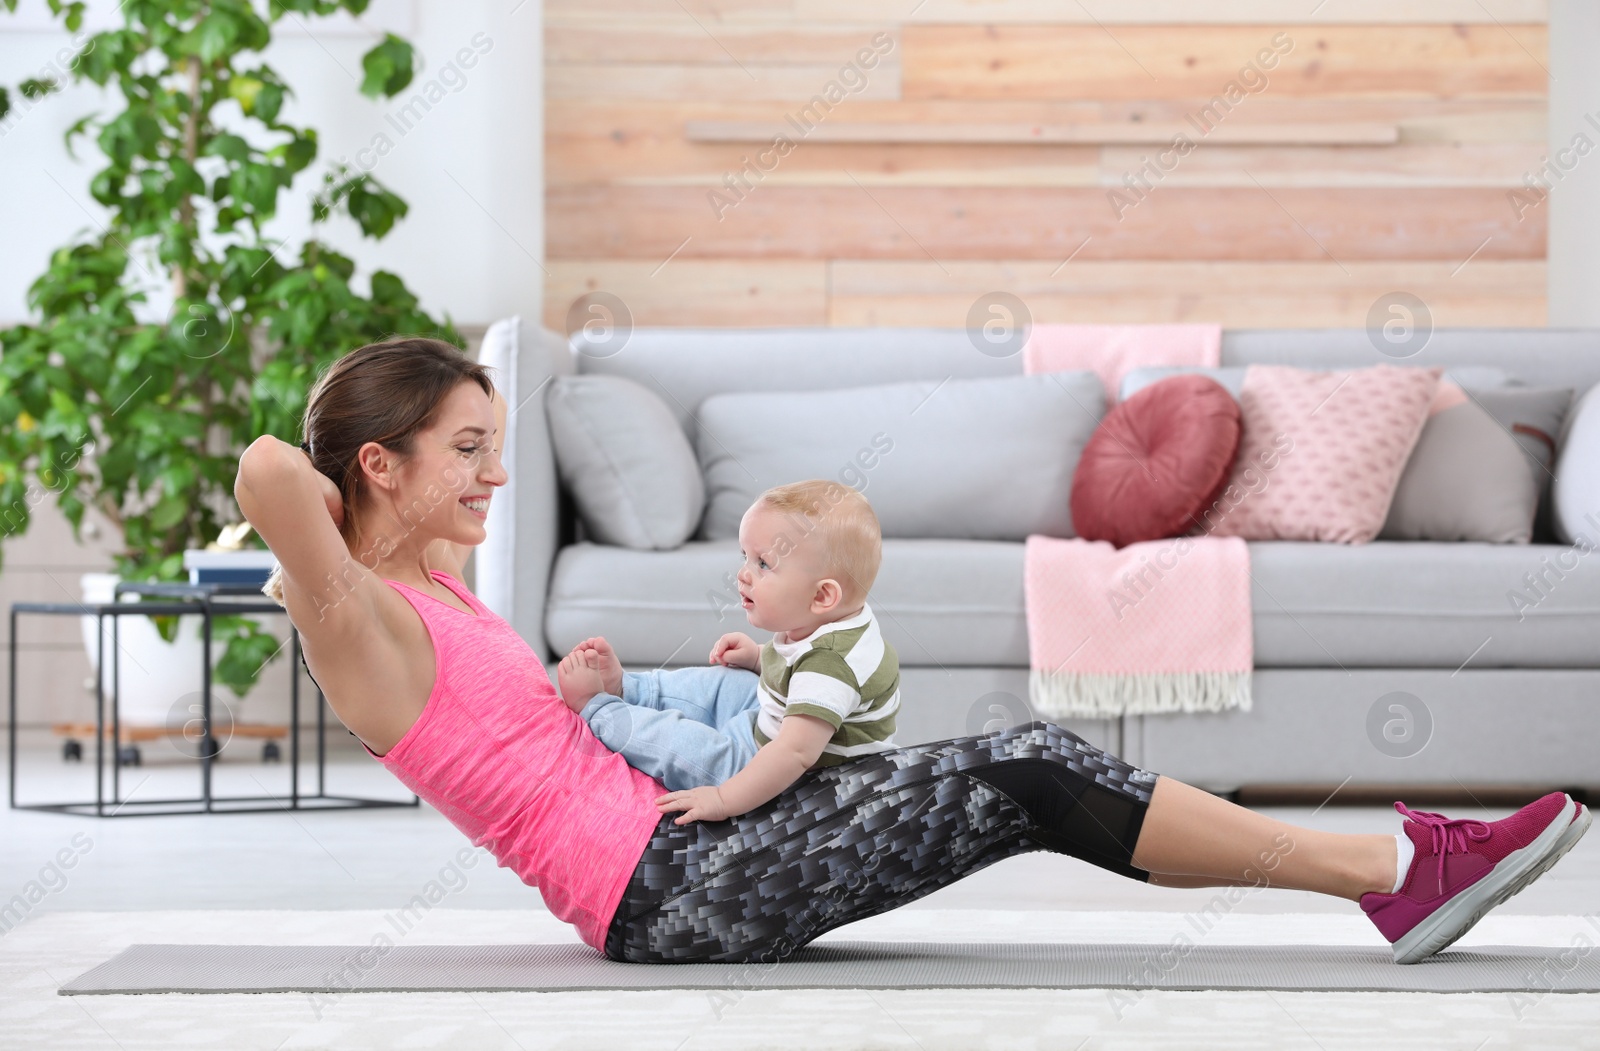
{"x": 1450, "y": 835}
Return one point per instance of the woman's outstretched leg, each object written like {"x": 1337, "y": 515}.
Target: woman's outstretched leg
{"x": 1191, "y": 838}
{"x": 870, "y": 835}
{"x": 1455, "y": 870}
{"x": 880, "y": 831}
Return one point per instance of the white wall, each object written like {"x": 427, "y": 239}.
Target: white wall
{"x": 1574, "y": 254}
{"x": 471, "y": 167}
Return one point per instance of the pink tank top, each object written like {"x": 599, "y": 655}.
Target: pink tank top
{"x": 505, "y": 761}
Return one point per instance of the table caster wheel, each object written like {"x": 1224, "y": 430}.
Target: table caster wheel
{"x": 128, "y": 755}
{"x": 271, "y": 753}
{"x": 71, "y": 751}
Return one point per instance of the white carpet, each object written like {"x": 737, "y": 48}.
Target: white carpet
{"x": 36, "y": 958}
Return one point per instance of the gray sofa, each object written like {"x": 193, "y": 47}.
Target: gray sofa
{"x": 1389, "y": 663}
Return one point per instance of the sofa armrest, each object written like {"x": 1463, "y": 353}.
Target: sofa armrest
{"x": 511, "y": 571}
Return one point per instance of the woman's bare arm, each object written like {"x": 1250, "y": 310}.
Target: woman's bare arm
{"x": 297, "y": 510}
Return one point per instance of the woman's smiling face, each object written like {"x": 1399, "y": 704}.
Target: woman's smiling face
{"x": 443, "y": 490}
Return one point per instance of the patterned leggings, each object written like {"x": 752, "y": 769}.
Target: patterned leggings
{"x": 871, "y": 834}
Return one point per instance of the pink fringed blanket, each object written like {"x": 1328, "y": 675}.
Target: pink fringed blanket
{"x": 1160, "y": 626}
{"x": 1114, "y": 350}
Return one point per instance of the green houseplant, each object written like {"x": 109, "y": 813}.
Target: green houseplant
{"x": 145, "y": 419}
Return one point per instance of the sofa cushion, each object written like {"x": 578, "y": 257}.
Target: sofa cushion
{"x": 939, "y": 602}
{"x": 960, "y": 603}
{"x": 1537, "y": 418}
{"x": 1479, "y": 467}
{"x": 1575, "y": 494}
{"x": 626, "y": 462}
{"x": 982, "y": 459}
{"x": 1156, "y": 462}
{"x": 1331, "y": 445}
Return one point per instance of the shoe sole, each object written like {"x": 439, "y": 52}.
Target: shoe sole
{"x": 1575, "y": 830}
{"x": 1457, "y": 916}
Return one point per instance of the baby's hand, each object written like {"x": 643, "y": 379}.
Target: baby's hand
{"x": 737, "y": 650}
{"x": 579, "y": 677}
{"x": 702, "y": 804}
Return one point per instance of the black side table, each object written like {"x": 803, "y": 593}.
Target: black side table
{"x": 186, "y": 598}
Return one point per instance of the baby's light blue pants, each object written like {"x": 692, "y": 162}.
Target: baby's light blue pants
{"x": 685, "y": 727}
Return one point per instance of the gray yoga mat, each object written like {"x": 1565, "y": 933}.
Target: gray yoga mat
{"x": 839, "y": 965}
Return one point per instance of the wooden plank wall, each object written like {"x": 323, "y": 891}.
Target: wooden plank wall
{"x": 1385, "y": 145}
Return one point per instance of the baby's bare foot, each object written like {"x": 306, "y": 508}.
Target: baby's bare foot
{"x": 606, "y": 663}
{"x": 577, "y": 680}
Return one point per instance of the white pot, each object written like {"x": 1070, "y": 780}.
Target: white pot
{"x": 160, "y": 680}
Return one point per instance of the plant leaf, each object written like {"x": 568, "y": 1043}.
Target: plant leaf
{"x": 244, "y": 90}
{"x": 388, "y": 67}
{"x": 169, "y": 511}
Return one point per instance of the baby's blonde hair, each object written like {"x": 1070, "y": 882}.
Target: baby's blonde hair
{"x": 840, "y": 521}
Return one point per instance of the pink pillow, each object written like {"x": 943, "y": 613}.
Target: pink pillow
{"x": 1322, "y": 452}
{"x": 1156, "y": 462}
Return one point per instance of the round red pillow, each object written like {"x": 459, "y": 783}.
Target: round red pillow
{"x": 1157, "y": 462}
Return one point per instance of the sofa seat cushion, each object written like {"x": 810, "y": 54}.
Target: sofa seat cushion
{"x": 939, "y": 602}
{"x": 1422, "y": 604}
{"x": 958, "y": 603}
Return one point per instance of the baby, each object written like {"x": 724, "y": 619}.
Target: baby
{"x": 725, "y": 739}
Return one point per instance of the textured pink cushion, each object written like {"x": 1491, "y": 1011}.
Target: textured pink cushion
{"x": 1322, "y": 451}
{"x": 1156, "y": 462}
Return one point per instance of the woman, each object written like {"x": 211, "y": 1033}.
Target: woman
{"x": 371, "y": 520}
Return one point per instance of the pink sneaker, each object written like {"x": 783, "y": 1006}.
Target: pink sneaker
{"x": 1574, "y": 832}
{"x": 1463, "y": 868}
